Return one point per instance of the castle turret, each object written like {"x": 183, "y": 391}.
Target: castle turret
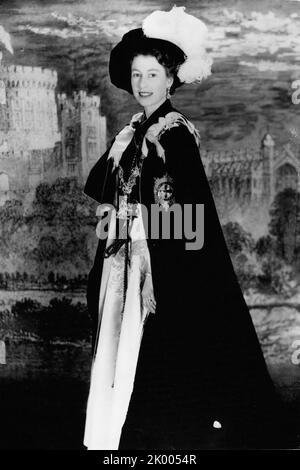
{"x": 28, "y": 123}
{"x": 83, "y": 133}
{"x": 28, "y": 105}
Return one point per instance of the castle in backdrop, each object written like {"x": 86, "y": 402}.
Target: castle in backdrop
{"x": 245, "y": 181}
{"x": 44, "y": 135}
{"x": 253, "y": 175}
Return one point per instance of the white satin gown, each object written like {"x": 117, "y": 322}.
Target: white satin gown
{"x": 119, "y": 337}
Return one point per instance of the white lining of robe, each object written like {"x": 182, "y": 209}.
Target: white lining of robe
{"x": 116, "y": 356}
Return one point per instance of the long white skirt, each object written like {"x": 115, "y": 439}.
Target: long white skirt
{"x": 119, "y": 337}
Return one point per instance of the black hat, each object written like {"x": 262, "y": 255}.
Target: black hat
{"x": 135, "y": 41}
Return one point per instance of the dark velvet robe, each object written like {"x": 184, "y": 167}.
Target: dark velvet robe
{"x": 200, "y": 359}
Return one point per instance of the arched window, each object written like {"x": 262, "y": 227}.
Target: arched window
{"x": 286, "y": 177}
{"x": 2, "y": 92}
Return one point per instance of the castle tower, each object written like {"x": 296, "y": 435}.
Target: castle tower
{"x": 28, "y": 123}
{"x": 83, "y": 133}
{"x": 69, "y": 116}
{"x": 267, "y": 150}
{"x": 257, "y": 182}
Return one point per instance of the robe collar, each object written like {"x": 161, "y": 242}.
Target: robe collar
{"x": 137, "y": 128}
{"x": 142, "y": 127}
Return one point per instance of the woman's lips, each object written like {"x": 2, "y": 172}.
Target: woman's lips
{"x": 144, "y": 94}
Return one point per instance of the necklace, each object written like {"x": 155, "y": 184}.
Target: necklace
{"x": 128, "y": 185}
{"x": 126, "y": 209}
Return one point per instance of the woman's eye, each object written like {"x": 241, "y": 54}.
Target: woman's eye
{"x": 136, "y": 74}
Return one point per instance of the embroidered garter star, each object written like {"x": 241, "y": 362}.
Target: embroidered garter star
{"x": 164, "y": 191}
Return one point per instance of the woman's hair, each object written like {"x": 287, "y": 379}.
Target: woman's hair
{"x": 167, "y": 54}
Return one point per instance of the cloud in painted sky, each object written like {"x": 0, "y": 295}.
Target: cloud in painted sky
{"x": 77, "y": 26}
{"x": 269, "y": 66}
{"x": 256, "y": 34}
{"x": 267, "y": 22}
{"x": 64, "y": 33}
{"x": 231, "y": 34}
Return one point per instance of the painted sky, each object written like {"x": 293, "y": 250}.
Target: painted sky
{"x": 255, "y": 46}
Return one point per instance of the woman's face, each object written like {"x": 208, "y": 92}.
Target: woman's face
{"x": 149, "y": 82}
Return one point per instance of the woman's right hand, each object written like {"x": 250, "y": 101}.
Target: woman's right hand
{"x": 148, "y": 298}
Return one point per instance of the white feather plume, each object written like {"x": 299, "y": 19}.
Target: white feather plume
{"x": 187, "y": 32}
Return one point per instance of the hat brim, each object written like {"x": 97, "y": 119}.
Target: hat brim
{"x": 122, "y": 53}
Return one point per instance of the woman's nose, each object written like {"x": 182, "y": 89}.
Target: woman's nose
{"x": 143, "y": 82}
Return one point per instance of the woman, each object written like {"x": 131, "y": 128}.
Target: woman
{"x": 177, "y": 363}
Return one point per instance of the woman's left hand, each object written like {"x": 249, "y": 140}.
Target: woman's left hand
{"x": 148, "y": 298}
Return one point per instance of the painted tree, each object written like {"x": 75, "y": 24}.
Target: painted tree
{"x": 285, "y": 223}
{"x": 237, "y": 238}
{"x": 265, "y": 245}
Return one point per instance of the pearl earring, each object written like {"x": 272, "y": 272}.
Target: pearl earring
{"x": 168, "y": 96}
